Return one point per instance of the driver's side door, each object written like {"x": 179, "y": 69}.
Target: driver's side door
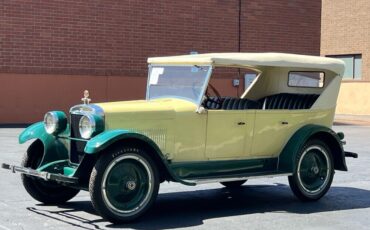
{"x": 229, "y": 133}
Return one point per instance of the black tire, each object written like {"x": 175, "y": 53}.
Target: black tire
{"x": 233, "y": 184}
{"x": 314, "y": 171}
{"x": 47, "y": 192}
{"x": 135, "y": 174}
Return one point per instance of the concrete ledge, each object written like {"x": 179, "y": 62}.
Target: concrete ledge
{"x": 347, "y": 119}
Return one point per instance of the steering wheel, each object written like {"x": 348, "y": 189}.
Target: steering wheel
{"x": 218, "y": 101}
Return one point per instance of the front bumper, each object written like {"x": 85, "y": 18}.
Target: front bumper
{"x": 43, "y": 175}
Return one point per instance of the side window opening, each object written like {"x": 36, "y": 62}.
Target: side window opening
{"x": 283, "y": 100}
{"x": 306, "y": 79}
{"x": 223, "y": 94}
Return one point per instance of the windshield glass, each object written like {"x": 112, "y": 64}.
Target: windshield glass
{"x": 185, "y": 82}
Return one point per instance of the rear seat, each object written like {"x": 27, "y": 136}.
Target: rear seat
{"x": 288, "y": 101}
{"x": 276, "y": 101}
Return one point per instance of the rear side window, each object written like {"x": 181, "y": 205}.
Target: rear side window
{"x": 306, "y": 79}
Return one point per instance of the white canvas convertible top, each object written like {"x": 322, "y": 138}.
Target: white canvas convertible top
{"x": 254, "y": 60}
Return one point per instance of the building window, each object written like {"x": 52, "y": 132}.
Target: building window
{"x": 353, "y": 66}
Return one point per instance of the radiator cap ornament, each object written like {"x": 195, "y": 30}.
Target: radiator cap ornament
{"x": 86, "y": 100}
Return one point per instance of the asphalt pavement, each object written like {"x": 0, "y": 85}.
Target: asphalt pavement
{"x": 259, "y": 204}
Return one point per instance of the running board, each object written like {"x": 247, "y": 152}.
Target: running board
{"x": 229, "y": 179}
{"x": 43, "y": 175}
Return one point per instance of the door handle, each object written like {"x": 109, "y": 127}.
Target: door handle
{"x": 241, "y": 123}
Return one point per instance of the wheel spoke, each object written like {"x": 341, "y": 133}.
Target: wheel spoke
{"x": 315, "y": 163}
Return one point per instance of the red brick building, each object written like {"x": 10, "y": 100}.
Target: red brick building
{"x": 50, "y": 51}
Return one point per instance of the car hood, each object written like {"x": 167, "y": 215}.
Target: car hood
{"x": 125, "y": 114}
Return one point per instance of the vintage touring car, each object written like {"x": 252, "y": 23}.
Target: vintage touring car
{"x": 187, "y": 132}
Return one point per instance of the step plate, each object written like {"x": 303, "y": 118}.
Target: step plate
{"x": 229, "y": 179}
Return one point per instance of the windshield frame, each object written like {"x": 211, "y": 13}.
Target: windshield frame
{"x": 202, "y": 92}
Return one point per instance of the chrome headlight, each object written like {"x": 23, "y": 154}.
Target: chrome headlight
{"x": 55, "y": 122}
{"x": 90, "y": 125}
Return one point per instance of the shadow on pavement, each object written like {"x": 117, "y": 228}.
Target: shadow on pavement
{"x": 186, "y": 209}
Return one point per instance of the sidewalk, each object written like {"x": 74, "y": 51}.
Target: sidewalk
{"x": 344, "y": 119}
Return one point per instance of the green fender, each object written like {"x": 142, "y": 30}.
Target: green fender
{"x": 35, "y": 131}
{"x": 54, "y": 149}
{"x": 299, "y": 138}
{"x": 107, "y": 138}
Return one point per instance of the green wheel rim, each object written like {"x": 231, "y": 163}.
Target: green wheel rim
{"x": 127, "y": 184}
{"x": 314, "y": 169}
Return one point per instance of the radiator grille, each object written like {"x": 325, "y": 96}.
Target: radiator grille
{"x": 77, "y": 147}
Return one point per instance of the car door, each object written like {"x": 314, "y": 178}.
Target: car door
{"x": 273, "y": 128}
{"x": 229, "y": 133}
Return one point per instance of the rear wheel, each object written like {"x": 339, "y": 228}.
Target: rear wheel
{"x": 314, "y": 171}
{"x": 124, "y": 184}
{"x": 233, "y": 184}
{"x": 47, "y": 192}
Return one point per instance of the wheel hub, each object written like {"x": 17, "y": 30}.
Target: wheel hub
{"x": 131, "y": 185}
{"x": 315, "y": 170}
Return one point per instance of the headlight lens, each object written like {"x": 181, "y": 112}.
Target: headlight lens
{"x": 90, "y": 124}
{"x": 55, "y": 122}
{"x": 87, "y": 126}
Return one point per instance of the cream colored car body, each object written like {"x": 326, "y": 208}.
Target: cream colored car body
{"x": 185, "y": 135}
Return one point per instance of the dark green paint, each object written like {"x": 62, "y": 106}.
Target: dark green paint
{"x": 295, "y": 144}
{"x": 107, "y": 138}
{"x": 54, "y": 149}
{"x": 208, "y": 169}
{"x": 35, "y": 131}
{"x": 63, "y": 167}
{"x": 340, "y": 135}
{"x": 69, "y": 171}
{"x": 313, "y": 170}
{"x": 119, "y": 194}
{"x": 56, "y": 152}
{"x": 99, "y": 124}
{"x": 62, "y": 121}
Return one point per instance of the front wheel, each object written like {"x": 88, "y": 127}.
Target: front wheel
{"x": 47, "y": 192}
{"x": 124, "y": 184}
{"x": 314, "y": 171}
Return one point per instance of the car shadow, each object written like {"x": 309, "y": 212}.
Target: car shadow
{"x": 187, "y": 209}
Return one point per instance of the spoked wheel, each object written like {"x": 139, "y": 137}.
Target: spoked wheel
{"x": 47, "y": 192}
{"x": 233, "y": 184}
{"x": 124, "y": 184}
{"x": 314, "y": 171}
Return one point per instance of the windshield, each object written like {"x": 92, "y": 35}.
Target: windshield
{"x": 185, "y": 82}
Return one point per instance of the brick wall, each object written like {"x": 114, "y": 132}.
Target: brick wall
{"x": 346, "y": 30}
{"x": 281, "y": 26}
{"x": 110, "y": 37}
{"x": 104, "y": 42}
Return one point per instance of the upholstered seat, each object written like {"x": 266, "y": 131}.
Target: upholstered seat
{"x": 289, "y": 101}
{"x": 211, "y": 104}
{"x": 239, "y": 104}
{"x": 276, "y": 101}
